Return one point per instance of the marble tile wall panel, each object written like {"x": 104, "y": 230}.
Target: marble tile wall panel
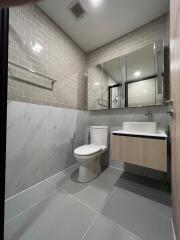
{"x": 40, "y": 143}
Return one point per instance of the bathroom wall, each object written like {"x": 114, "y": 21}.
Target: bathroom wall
{"x": 42, "y": 121}
{"x": 37, "y": 43}
{"x": 156, "y": 30}
{"x": 143, "y": 36}
{"x": 40, "y": 143}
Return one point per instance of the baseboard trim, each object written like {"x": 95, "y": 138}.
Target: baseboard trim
{"x": 46, "y": 179}
{"x": 174, "y": 234}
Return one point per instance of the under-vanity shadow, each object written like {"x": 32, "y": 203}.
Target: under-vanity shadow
{"x": 144, "y": 186}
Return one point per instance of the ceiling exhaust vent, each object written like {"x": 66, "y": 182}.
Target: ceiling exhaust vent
{"x": 78, "y": 9}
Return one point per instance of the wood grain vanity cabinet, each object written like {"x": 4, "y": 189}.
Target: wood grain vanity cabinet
{"x": 142, "y": 151}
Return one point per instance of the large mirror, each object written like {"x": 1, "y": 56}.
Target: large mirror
{"x": 145, "y": 76}
{"x": 97, "y": 88}
{"x": 106, "y": 85}
{"x": 134, "y": 80}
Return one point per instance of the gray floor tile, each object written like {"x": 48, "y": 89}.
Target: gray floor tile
{"x": 112, "y": 173}
{"x": 93, "y": 194}
{"x": 57, "y": 217}
{"x": 137, "y": 215}
{"x": 105, "y": 229}
{"x": 147, "y": 187}
{"x": 26, "y": 199}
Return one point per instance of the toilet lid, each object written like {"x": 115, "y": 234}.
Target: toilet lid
{"x": 87, "y": 150}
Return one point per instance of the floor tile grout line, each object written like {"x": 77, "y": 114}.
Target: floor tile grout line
{"x": 29, "y": 208}
{"x": 90, "y": 226}
{"x": 108, "y": 198}
{"x": 103, "y": 175}
{"x": 45, "y": 180}
{"x": 79, "y": 201}
{"x": 150, "y": 206}
{"x": 120, "y": 226}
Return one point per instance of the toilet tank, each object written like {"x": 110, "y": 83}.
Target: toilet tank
{"x": 99, "y": 135}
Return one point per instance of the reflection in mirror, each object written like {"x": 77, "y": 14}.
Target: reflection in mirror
{"x": 140, "y": 64}
{"x": 145, "y": 76}
{"x": 106, "y": 85}
{"x": 113, "y": 69}
{"x": 97, "y": 88}
{"x": 134, "y": 80}
{"x": 142, "y": 93}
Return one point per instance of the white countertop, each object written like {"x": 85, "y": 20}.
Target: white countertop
{"x": 158, "y": 134}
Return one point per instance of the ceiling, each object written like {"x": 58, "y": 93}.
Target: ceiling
{"x": 103, "y": 23}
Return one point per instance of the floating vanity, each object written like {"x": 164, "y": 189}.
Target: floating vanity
{"x": 140, "y": 143}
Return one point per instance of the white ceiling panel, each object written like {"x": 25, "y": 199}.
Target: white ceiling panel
{"x": 105, "y": 20}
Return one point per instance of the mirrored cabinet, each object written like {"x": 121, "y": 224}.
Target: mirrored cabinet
{"x": 134, "y": 80}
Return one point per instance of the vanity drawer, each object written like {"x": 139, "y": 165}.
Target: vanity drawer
{"x": 146, "y": 152}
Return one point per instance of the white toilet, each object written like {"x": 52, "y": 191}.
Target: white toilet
{"x": 88, "y": 156}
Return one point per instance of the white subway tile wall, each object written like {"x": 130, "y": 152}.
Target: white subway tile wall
{"x": 37, "y": 43}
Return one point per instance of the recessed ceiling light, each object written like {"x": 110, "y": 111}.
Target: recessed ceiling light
{"x": 137, "y": 73}
{"x": 96, "y": 3}
{"x": 37, "y": 48}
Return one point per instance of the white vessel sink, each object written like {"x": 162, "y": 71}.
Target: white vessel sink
{"x": 141, "y": 127}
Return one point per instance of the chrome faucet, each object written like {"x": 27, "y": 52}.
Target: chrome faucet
{"x": 150, "y": 116}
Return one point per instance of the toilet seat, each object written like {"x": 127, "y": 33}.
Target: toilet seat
{"x": 87, "y": 150}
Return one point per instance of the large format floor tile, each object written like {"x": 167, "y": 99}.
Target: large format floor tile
{"x": 27, "y": 199}
{"x": 57, "y": 217}
{"x": 105, "y": 229}
{"x": 94, "y": 194}
{"x": 112, "y": 173}
{"x": 138, "y": 215}
{"x": 111, "y": 207}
